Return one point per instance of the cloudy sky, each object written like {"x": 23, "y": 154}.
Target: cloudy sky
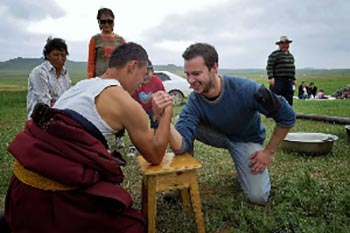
{"x": 243, "y": 31}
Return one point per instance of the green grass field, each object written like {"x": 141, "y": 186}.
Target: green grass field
{"x": 309, "y": 194}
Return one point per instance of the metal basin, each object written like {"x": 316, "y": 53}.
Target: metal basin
{"x": 309, "y": 143}
{"x": 347, "y": 128}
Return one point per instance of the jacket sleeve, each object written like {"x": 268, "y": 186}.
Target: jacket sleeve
{"x": 187, "y": 123}
{"x": 270, "y": 65}
{"x": 275, "y": 106}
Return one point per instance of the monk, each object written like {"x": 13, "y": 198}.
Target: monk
{"x": 64, "y": 177}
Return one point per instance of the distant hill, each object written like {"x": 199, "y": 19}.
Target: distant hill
{"x": 20, "y": 63}
{"x": 77, "y": 70}
{"x": 27, "y": 64}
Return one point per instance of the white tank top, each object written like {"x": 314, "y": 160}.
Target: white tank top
{"x": 81, "y": 99}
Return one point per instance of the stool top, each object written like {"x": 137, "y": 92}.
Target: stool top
{"x": 169, "y": 164}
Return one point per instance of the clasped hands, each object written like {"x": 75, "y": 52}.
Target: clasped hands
{"x": 259, "y": 160}
{"x": 160, "y": 101}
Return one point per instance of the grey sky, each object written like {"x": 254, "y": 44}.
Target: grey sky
{"x": 243, "y": 31}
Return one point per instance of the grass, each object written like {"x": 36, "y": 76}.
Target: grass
{"x": 309, "y": 194}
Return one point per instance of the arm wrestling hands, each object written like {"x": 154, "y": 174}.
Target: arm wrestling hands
{"x": 259, "y": 160}
{"x": 160, "y": 100}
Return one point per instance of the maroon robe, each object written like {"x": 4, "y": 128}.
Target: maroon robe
{"x": 62, "y": 150}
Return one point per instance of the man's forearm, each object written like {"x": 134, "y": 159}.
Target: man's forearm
{"x": 175, "y": 139}
{"x": 162, "y": 133}
{"x": 160, "y": 139}
{"x": 277, "y": 137}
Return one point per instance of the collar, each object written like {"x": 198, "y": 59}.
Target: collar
{"x": 50, "y": 67}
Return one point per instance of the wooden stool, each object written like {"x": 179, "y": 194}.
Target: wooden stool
{"x": 175, "y": 172}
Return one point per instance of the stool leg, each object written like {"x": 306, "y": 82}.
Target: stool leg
{"x": 144, "y": 197}
{"x": 196, "y": 204}
{"x": 151, "y": 212}
{"x": 185, "y": 197}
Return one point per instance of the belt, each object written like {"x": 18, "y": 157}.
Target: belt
{"x": 35, "y": 180}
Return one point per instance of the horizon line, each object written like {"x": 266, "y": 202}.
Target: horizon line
{"x": 244, "y": 68}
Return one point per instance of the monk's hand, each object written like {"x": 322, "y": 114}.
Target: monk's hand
{"x": 160, "y": 100}
{"x": 260, "y": 160}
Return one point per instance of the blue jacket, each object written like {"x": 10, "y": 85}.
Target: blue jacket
{"x": 235, "y": 112}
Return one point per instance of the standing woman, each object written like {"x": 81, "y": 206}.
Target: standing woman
{"x": 102, "y": 44}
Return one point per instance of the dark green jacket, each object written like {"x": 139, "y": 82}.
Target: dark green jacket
{"x": 280, "y": 65}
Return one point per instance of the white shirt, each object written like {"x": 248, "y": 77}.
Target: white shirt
{"x": 81, "y": 99}
{"x": 44, "y": 86}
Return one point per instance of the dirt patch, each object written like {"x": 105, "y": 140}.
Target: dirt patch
{"x": 14, "y": 88}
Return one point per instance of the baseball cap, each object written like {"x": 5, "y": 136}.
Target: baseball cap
{"x": 150, "y": 65}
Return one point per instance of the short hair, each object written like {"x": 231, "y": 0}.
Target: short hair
{"x": 126, "y": 52}
{"x": 104, "y": 11}
{"x": 207, "y": 51}
{"x": 55, "y": 43}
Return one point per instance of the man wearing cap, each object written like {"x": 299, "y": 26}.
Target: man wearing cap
{"x": 151, "y": 84}
{"x": 281, "y": 70}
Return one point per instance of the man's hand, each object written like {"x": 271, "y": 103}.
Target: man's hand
{"x": 260, "y": 160}
{"x": 160, "y": 100}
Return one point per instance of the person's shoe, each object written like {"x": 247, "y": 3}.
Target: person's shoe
{"x": 172, "y": 196}
{"x": 132, "y": 151}
{"x": 119, "y": 142}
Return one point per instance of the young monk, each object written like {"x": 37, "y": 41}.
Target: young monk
{"x": 65, "y": 179}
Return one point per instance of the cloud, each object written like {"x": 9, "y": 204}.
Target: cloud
{"x": 32, "y": 10}
{"x": 16, "y": 16}
{"x": 244, "y": 32}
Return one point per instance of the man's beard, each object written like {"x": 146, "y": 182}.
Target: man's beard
{"x": 208, "y": 86}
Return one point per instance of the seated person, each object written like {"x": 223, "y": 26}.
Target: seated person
{"x": 65, "y": 179}
{"x": 320, "y": 95}
{"x": 312, "y": 90}
{"x": 50, "y": 79}
{"x": 302, "y": 92}
{"x": 151, "y": 84}
{"x": 346, "y": 95}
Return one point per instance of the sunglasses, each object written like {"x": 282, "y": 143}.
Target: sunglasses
{"x": 104, "y": 21}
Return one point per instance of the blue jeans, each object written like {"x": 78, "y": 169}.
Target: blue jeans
{"x": 256, "y": 186}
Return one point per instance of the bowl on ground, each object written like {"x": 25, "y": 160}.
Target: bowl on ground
{"x": 347, "y": 128}
{"x": 309, "y": 143}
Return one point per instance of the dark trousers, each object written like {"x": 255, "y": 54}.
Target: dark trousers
{"x": 284, "y": 87}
